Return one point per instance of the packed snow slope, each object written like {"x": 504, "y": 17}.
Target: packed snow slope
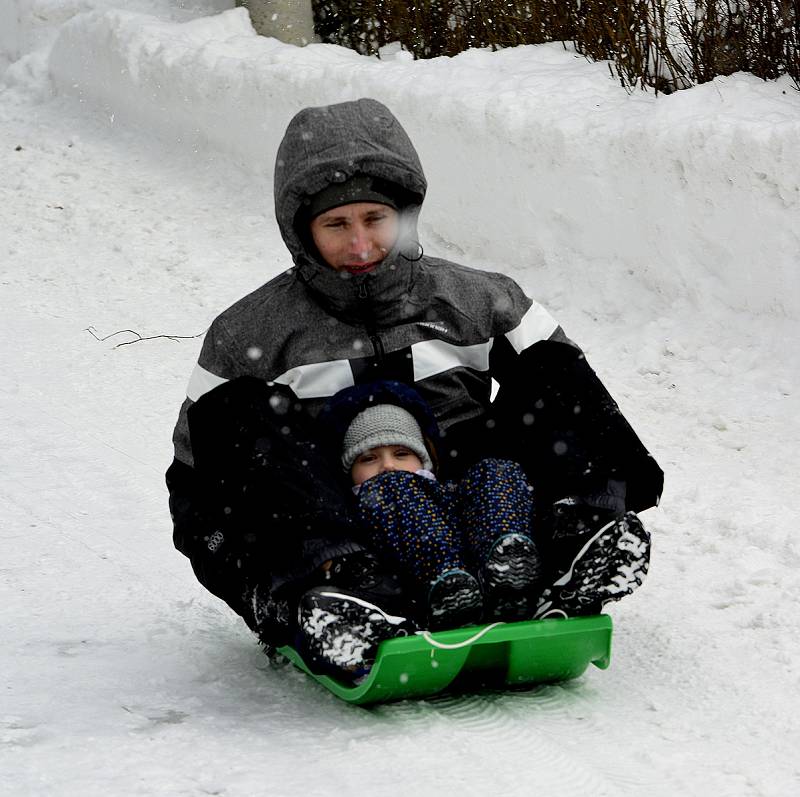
{"x": 663, "y": 233}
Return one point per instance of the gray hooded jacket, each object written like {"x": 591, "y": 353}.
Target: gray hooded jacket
{"x": 426, "y": 322}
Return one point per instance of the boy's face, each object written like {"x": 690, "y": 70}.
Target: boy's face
{"x": 382, "y": 459}
{"x": 356, "y": 237}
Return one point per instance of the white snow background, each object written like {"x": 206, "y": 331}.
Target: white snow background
{"x": 136, "y": 149}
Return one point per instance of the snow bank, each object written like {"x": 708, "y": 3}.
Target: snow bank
{"x": 554, "y": 179}
{"x": 27, "y": 26}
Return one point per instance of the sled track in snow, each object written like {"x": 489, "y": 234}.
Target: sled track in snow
{"x": 521, "y": 725}
{"x": 546, "y": 733}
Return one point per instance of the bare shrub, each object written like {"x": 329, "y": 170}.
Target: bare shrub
{"x": 664, "y": 44}
{"x": 727, "y": 36}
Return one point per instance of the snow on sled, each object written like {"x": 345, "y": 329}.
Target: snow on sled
{"x": 495, "y": 655}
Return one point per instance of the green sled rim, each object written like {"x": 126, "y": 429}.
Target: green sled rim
{"x": 465, "y": 659}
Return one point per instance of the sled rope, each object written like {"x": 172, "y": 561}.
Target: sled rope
{"x": 456, "y": 645}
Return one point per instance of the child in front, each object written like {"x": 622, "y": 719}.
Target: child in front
{"x": 466, "y": 551}
{"x": 465, "y": 548}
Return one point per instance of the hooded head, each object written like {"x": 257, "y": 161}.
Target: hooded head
{"x": 380, "y": 413}
{"x": 354, "y": 151}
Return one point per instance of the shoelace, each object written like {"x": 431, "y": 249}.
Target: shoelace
{"x": 456, "y": 645}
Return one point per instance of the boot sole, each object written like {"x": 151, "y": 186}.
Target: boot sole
{"x": 454, "y": 601}
{"x": 510, "y": 576}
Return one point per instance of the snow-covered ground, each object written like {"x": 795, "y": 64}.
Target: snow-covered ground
{"x": 663, "y": 233}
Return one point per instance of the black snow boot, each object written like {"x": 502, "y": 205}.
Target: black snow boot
{"x": 611, "y": 564}
{"x": 454, "y": 600}
{"x": 510, "y": 577}
{"x": 339, "y": 632}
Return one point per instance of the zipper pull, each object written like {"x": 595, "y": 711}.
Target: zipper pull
{"x": 362, "y": 291}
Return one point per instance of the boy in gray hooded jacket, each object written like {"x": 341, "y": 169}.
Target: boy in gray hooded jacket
{"x": 257, "y": 503}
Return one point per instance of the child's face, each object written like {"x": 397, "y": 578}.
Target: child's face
{"x": 384, "y": 458}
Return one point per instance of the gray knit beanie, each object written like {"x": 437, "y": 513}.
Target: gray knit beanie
{"x": 383, "y": 425}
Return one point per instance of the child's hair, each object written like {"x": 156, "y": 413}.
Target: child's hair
{"x": 383, "y": 425}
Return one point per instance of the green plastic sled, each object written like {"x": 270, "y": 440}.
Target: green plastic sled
{"x": 496, "y": 655}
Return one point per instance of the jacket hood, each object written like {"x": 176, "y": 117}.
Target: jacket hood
{"x": 330, "y": 144}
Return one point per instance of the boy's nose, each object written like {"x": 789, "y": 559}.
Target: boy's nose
{"x": 359, "y": 243}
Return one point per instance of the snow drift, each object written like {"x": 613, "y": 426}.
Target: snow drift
{"x": 532, "y": 196}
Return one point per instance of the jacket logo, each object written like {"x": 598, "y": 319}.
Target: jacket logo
{"x": 438, "y": 326}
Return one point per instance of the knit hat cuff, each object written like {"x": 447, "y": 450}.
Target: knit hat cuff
{"x": 386, "y": 438}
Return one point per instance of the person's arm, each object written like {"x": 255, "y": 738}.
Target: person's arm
{"x": 554, "y": 416}
{"x": 262, "y": 507}
{"x": 197, "y": 530}
{"x": 196, "y": 534}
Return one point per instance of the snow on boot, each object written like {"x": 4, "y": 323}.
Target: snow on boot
{"x": 454, "y": 600}
{"x": 341, "y": 632}
{"x": 510, "y": 576}
{"x": 609, "y": 566}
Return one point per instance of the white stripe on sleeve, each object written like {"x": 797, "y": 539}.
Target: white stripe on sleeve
{"x": 317, "y": 380}
{"x": 431, "y": 357}
{"x": 201, "y": 381}
{"x": 537, "y": 324}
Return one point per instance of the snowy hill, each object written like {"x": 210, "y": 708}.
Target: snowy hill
{"x": 137, "y": 148}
